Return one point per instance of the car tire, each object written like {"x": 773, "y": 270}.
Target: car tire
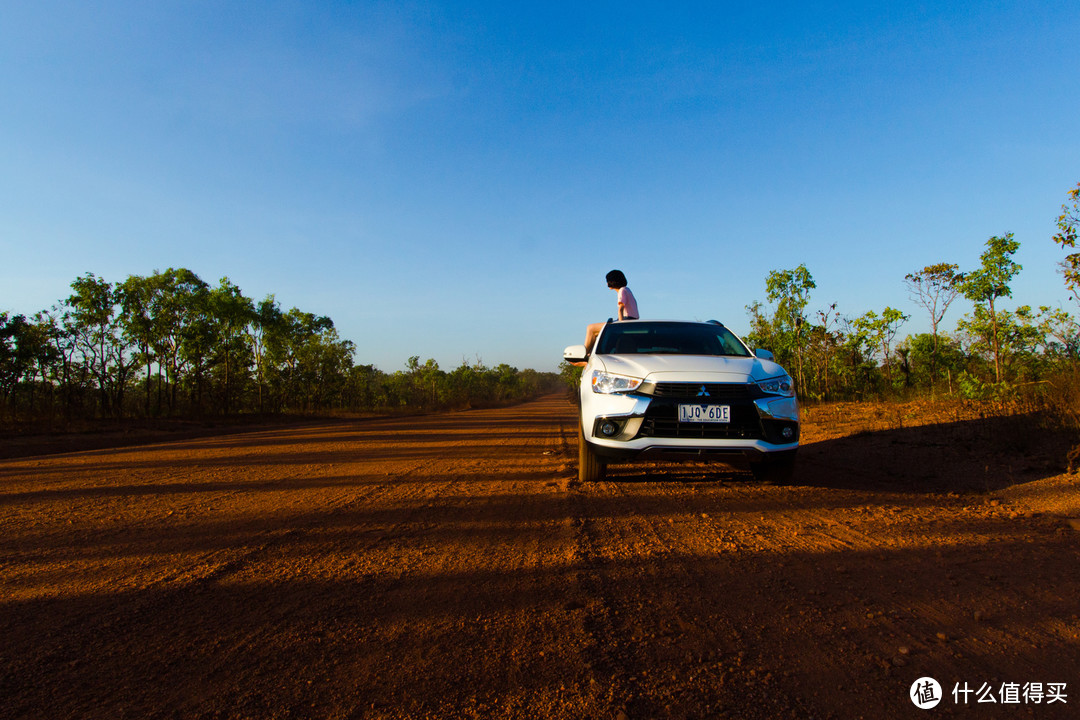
{"x": 590, "y": 467}
{"x": 776, "y": 468}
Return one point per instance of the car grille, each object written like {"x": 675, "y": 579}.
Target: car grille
{"x": 672, "y": 428}
{"x": 662, "y": 416}
{"x": 701, "y": 392}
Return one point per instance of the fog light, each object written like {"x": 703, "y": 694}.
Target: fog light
{"x": 609, "y": 429}
{"x": 788, "y": 433}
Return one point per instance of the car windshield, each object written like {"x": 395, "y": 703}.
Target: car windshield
{"x": 667, "y": 338}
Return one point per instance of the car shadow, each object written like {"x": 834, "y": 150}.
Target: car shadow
{"x": 977, "y": 455}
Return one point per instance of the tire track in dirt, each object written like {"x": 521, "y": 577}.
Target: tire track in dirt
{"x": 502, "y": 578}
{"x": 774, "y": 571}
{"x": 176, "y": 591}
{"x": 204, "y": 573}
{"x": 666, "y": 647}
{"x": 387, "y": 568}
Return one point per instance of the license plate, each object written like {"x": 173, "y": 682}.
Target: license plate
{"x": 705, "y": 413}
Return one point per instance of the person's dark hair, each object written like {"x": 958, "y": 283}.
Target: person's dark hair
{"x": 615, "y": 279}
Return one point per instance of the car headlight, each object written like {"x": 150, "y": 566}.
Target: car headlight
{"x": 782, "y": 386}
{"x": 607, "y": 383}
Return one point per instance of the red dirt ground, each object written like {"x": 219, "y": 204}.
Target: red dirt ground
{"x": 452, "y": 566}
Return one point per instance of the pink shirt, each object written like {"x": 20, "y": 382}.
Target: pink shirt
{"x": 628, "y": 304}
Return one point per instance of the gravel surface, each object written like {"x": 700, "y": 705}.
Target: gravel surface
{"x": 452, "y": 566}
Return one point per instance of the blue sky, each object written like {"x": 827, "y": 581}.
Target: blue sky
{"x": 453, "y": 180}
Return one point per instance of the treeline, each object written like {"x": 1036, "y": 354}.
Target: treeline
{"x": 992, "y": 352}
{"x": 170, "y": 345}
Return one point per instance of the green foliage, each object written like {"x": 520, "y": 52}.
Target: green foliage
{"x": 92, "y": 321}
{"x": 1067, "y": 224}
{"x": 1061, "y": 333}
{"x": 1020, "y": 339}
{"x": 790, "y": 290}
{"x": 972, "y": 387}
{"x": 935, "y": 287}
{"x": 570, "y": 374}
{"x": 230, "y": 315}
{"x": 169, "y": 344}
{"x": 878, "y": 332}
{"x": 13, "y": 356}
{"x": 929, "y": 361}
{"x": 993, "y": 349}
{"x": 991, "y": 282}
{"x": 202, "y": 349}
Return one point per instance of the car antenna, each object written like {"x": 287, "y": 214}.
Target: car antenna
{"x": 716, "y": 322}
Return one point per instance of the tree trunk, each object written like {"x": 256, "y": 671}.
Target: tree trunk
{"x": 997, "y": 349}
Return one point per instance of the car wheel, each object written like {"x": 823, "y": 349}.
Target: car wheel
{"x": 777, "y": 468}
{"x": 590, "y": 467}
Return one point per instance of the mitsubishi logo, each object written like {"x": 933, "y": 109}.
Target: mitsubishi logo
{"x": 703, "y": 392}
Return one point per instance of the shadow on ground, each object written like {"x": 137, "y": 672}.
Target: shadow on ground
{"x": 978, "y": 455}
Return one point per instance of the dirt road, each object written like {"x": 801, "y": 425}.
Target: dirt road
{"x": 451, "y": 566}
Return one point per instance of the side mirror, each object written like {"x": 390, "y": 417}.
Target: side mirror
{"x": 765, "y": 355}
{"x": 575, "y": 353}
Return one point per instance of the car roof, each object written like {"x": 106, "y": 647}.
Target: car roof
{"x": 713, "y": 323}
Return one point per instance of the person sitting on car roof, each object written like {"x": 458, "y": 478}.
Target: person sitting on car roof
{"x": 628, "y": 309}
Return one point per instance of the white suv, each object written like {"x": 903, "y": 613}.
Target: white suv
{"x": 655, "y": 390}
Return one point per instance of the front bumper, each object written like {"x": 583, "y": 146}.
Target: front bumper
{"x": 643, "y": 424}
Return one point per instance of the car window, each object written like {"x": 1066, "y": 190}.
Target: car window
{"x": 641, "y": 338}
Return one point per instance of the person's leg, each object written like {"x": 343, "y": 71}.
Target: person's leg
{"x": 591, "y": 334}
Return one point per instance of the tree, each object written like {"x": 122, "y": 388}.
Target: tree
{"x": 990, "y": 282}
{"x": 366, "y": 387}
{"x": 292, "y": 356}
{"x": 879, "y": 332}
{"x": 1019, "y": 336}
{"x": 93, "y": 320}
{"x": 858, "y": 347}
{"x": 13, "y": 360}
{"x": 762, "y": 332}
{"x": 39, "y": 355}
{"x": 1062, "y": 332}
{"x": 935, "y": 287}
{"x": 327, "y": 361}
{"x": 923, "y": 351}
{"x": 790, "y": 290}
{"x": 426, "y": 380}
{"x": 1067, "y": 223}
{"x": 178, "y": 312}
{"x": 231, "y": 314}
{"x": 267, "y": 323}
{"x": 824, "y": 344}
{"x": 83, "y": 353}
{"x": 61, "y": 364}
{"x": 137, "y": 297}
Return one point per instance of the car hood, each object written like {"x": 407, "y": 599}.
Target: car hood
{"x": 690, "y": 368}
